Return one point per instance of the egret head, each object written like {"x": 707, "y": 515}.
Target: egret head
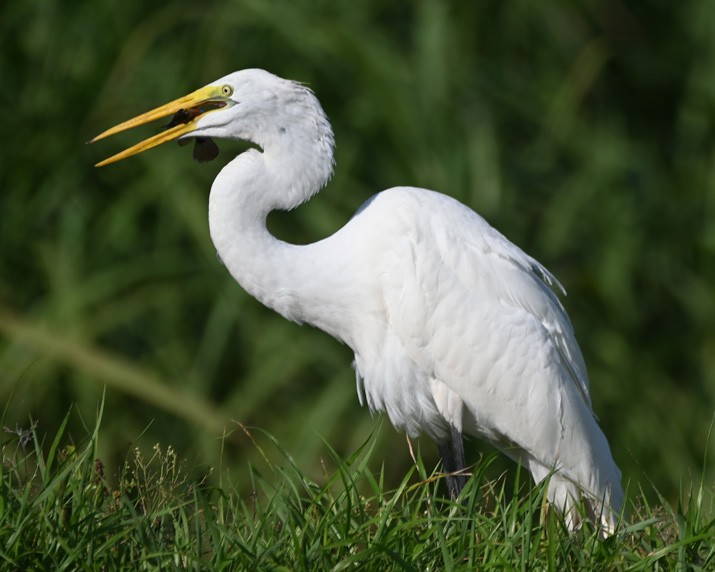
{"x": 252, "y": 105}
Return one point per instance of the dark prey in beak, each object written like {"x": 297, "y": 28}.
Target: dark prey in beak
{"x": 204, "y": 148}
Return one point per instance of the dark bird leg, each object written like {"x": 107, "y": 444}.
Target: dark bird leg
{"x": 460, "y": 465}
{"x": 452, "y": 453}
{"x": 445, "y": 451}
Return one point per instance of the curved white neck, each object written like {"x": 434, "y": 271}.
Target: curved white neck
{"x": 291, "y": 279}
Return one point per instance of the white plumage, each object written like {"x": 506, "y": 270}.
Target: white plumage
{"x": 454, "y": 328}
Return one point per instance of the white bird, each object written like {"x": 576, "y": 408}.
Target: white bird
{"x": 454, "y": 328}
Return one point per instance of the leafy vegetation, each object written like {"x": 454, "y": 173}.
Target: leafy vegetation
{"x": 58, "y": 511}
{"x": 581, "y": 130}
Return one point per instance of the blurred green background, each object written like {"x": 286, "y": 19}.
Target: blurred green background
{"x": 584, "y": 131}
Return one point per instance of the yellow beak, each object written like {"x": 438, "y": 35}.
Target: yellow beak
{"x": 186, "y": 111}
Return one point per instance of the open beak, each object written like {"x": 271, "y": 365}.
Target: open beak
{"x": 186, "y": 112}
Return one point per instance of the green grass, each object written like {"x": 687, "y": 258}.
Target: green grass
{"x": 60, "y": 511}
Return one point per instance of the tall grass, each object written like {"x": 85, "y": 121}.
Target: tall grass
{"x": 581, "y": 130}
{"x": 58, "y": 511}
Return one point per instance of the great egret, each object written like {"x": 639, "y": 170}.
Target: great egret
{"x": 454, "y": 328}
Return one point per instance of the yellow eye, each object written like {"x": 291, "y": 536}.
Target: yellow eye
{"x": 226, "y": 90}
